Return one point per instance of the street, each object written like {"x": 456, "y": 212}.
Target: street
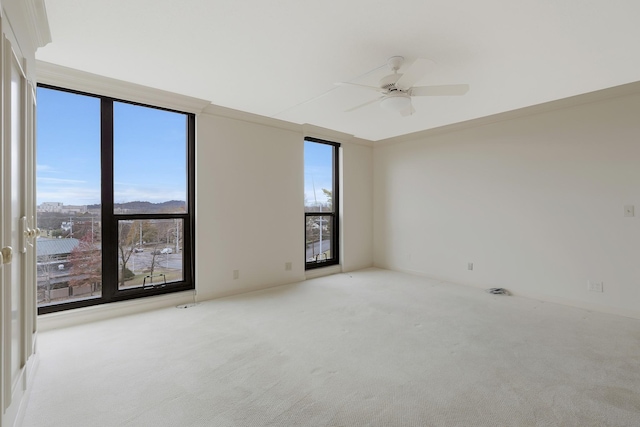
{"x": 141, "y": 261}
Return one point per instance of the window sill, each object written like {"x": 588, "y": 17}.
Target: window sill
{"x": 79, "y": 316}
{"x": 323, "y": 271}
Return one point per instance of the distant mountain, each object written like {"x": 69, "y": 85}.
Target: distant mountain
{"x": 140, "y": 206}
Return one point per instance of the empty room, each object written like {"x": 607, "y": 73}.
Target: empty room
{"x": 279, "y": 213}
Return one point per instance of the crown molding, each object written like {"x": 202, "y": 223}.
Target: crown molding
{"x": 27, "y": 28}
{"x": 37, "y": 22}
{"x": 333, "y": 135}
{"x": 230, "y": 113}
{"x": 305, "y": 129}
{"x": 69, "y": 78}
{"x": 572, "y": 101}
{"x": 360, "y": 141}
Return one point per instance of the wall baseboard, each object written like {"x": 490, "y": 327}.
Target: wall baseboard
{"x": 20, "y": 398}
{"x": 31, "y": 369}
{"x": 201, "y": 297}
{"x": 357, "y": 267}
{"x": 633, "y": 314}
{"x": 95, "y": 313}
{"x": 324, "y": 271}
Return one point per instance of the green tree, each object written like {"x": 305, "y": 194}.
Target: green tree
{"x": 149, "y": 232}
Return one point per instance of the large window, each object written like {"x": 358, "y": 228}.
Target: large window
{"x": 115, "y": 187}
{"x": 321, "y": 202}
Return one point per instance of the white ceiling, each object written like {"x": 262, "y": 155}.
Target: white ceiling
{"x": 281, "y": 58}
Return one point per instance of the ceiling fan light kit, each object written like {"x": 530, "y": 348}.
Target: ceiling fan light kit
{"x": 397, "y": 89}
{"x": 396, "y": 101}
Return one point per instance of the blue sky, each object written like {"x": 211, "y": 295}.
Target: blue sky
{"x": 318, "y": 171}
{"x": 68, "y": 148}
{"x": 149, "y": 153}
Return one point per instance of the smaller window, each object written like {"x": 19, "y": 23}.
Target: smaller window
{"x": 321, "y": 203}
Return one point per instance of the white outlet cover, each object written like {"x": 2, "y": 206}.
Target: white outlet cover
{"x": 594, "y": 286}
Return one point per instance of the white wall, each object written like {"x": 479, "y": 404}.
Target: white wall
{"x": 536, "y": 203}
{"x": 250, "y": 207}
{"x": 357, "y": 205}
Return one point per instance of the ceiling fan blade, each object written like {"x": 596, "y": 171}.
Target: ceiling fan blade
{"x": 408, "y": 111}
{"x": 419, "y": 68}
{"x": 361, "y": 105}
{"x": 377, "y": 89}
{"x": 442, "y": 90}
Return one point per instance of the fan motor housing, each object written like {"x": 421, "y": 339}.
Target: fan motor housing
{"x": 389, "y": 82}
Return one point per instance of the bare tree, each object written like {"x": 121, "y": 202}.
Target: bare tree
{"x": 86, "y": 263}
{"x": 155, "y": 261}
{"x": 126, "y": 244}
{"x": 44, "y": 266}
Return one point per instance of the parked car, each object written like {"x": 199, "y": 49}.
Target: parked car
{"x": 166, "y": 251}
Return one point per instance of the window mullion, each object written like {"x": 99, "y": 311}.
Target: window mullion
{"x": 109, "y": 223}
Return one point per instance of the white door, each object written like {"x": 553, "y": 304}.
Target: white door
{"x": 16, "y": 239}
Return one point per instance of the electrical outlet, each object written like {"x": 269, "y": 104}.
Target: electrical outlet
{"x": 287, "y": 266}
{"x": 629, "y": 210}
{"x": 469, "y": 266}
{"x": 594, "y": 286}
{"x": 236, "y": 274}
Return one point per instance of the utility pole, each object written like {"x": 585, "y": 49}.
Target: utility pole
{"x": 177, "y": 235}
{"x": 315, "y": 197}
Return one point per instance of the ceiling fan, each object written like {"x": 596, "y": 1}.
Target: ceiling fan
{"x": 397, "y": 88}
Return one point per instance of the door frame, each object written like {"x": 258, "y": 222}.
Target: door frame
{"x": 17, "y": 229}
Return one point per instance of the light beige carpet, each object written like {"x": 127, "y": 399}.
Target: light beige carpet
{"x": 370, "y": 348}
